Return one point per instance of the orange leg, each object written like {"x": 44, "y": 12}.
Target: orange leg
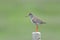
{"x": 36, "y": 27}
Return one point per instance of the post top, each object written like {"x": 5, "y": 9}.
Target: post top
{"x": 36, "y": 32}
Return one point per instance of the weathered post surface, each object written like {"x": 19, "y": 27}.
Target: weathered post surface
{"x": 36, "y": 36}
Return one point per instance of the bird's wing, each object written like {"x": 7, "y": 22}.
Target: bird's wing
{"x": 34, "y": 20}
{"x": 37, "y": 20}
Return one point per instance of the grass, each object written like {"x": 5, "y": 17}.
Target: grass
{"x": 15, "y": 26}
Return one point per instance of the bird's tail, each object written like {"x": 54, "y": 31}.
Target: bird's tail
{"x": 43, "y": 22}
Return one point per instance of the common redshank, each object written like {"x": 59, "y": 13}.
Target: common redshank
{"x": 36, "y": 20}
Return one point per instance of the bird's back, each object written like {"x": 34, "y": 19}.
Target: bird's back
{"x": 36, "y": 20}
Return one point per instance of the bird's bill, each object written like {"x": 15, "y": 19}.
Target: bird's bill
{"x": 26, "y": 16}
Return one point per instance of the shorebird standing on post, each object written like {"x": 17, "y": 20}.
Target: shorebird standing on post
{"x": 35, "y": 20}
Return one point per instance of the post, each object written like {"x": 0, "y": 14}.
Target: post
{"x": 36, "y": 36}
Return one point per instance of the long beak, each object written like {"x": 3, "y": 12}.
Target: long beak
{"x": 26, "y": 16}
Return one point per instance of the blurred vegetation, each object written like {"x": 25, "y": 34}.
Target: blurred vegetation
{"x": 15, "y": 26}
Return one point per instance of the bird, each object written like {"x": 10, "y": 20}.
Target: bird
{"x": 35, "y": 20}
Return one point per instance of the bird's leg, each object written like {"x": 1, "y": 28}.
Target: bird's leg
{"x": 36, "y": 27}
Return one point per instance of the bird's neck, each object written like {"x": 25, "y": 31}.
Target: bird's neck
{"x": 31, "y": 16}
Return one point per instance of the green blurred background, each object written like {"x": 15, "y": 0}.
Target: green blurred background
{"x": 15, "y": 26}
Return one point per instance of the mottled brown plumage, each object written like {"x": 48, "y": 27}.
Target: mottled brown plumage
{"x": 35, "y": 19}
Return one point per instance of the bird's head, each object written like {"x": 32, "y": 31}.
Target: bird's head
{"x": 30, "y": 14}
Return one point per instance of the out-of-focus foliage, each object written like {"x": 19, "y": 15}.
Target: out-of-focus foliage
{"x": 15, "y": 26}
